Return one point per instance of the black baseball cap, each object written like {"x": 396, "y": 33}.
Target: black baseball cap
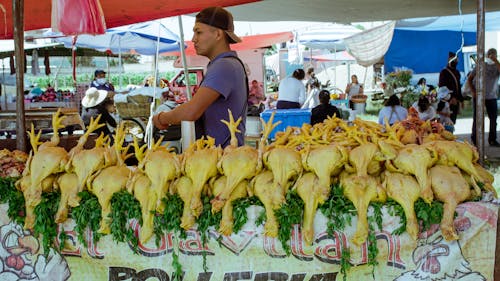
{"x": 220, "y": 18}
{"x": 99, "y": 71}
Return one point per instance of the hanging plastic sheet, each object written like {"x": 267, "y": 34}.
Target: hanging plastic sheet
{"x": 369, "y": 46}
{"x": 72, "y": 17}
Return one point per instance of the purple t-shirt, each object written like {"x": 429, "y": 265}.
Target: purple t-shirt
{"x": 225, "y": 75}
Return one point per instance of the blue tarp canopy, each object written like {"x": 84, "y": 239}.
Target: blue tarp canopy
{"x": 138, "y": 38}
{"x": 422, "y": 44}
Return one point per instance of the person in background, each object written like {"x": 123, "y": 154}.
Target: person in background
{"x": 392, "y": 111}
{"x": 450, "y": 77}
{"x": 422, "y": 86}
{"x": 353, "y": 88}
{"x": 311, "y": 80}
{"x": 443, "y": 108}
{"x": 225, "y": 85}
{"x": 492, "y": 73}
{"x": 255, "y": 99}
{"x": 424, "y": 108}
{"x": 291, "y": 91}
{"x": 97, "y": 102}
{"x": 324, "y": 109}
{"x": 100, "y": 82}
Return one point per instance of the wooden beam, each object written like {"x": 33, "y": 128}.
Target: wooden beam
{"x": 480, "y": 73}
{"x": 18, "y": 14}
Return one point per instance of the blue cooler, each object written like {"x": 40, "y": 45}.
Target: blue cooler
{"x": 288, "y": 117}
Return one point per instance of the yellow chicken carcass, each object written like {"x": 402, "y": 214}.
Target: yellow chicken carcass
{"x": 162, "y": 167}
{"x": 405, "y": 190}
{"x": 286, "y": 165}
{"x": 103, "y": 185}
{"x": 450, "y": 188}
{"x": 313, "y": 194}
{"x": 200, "y": 165}
{"x": 325, "y": 161}
{"x": 89, "y": 161}
{"x": 183, "y": 187}
{"x": 140, "y": 186}
{"x": 67, "y": 183}
{"x": 240, "y": 191}
{"x": 462, "y": 155}
{"x": 363, "y": 157}
{"x": 272, "y": 196}
{"x": 361, "y": 190}
{"x": 416, "y": 160}
{"x": 111, "y": 179}
{"x": 47, "y": 159}
{"x": 237, "y": 164}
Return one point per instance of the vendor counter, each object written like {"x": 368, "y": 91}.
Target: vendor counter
{"x": 249, "y": 255}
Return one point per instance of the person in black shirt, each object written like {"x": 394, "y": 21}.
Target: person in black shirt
{"x": 450, "y": 77}
{"x": 324, "y": 109}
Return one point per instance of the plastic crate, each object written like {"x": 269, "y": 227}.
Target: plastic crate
{"x": 288, "y": 117}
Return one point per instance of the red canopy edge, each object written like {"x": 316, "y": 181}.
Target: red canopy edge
{"x": 37, "y": 13}
{"x": 247, "y": 43}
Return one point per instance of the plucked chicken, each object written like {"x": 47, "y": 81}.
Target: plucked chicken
{"x": 140, "y": 186}
{"x": 325, "y": 161}
{"x": 450, "y": 188}
{"x": 67, "y": 183}
{"x": 111, "y": 179}
{"x": 162, "y": 167}
{"x": 47, "y": 159}
{"x": 462, "y": 155}
{"x": 416, "y": 160}
{"x": 361, "y": 190}
{"x": 200, "y": 165}
{"x": 240, "y": 191}
{"x": 405, "y": 190}
{"x": 183, "y": 187}
{"x": 272, "y": 196}
{"x": 313, "y": 194}
{"x": 237, "y": 164}
{"x": 286, "y": 165}
{"x": 362, "y": 156}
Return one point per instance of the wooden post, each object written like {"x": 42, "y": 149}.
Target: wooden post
{"x": 496, "y": 272}
{"x": 18, "y": 15}
{"x": 480, "y": 73}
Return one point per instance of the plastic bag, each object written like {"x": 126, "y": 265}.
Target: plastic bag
{"x": 73, "y": 17}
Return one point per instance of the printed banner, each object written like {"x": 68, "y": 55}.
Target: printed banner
{"x": 248, "y": 255}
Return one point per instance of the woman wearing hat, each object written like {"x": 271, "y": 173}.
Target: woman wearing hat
{"x": 96, "y": 102}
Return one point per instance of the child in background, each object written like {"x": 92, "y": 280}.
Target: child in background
{"x": 443, "y": 108}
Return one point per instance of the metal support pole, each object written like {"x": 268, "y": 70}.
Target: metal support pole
{"x": 18, "y": 14}
{"x": 480, "y": 73}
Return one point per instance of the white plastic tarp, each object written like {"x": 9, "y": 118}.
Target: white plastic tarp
{"x": 369, "y": 46}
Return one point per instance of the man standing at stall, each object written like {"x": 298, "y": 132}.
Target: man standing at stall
{"x": 492, "y": 73}
{"x": 450, "y": 77}
{"x": 225, "y": 85}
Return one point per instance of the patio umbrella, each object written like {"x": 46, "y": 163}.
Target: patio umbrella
{"x": 138, "y": 38}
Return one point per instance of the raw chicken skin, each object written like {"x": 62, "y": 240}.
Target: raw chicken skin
{"x": 141, "y": 188}
{"x": 272, "y": 196}
{"x": 361, "y": 191}
{"x": 183, "y": 187}
{"x": 416, "y": 160}
{"x": 240, "y": 191}
{"x": 106, "y": 183}
{"x": 313, "y": 194}
{"x": 449, "y": 187}
{"x": 405, "y": 190}
{"x": 325, "y": 161}
{"x": 285, "y": 164}
{"x": 68, "y": 185}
